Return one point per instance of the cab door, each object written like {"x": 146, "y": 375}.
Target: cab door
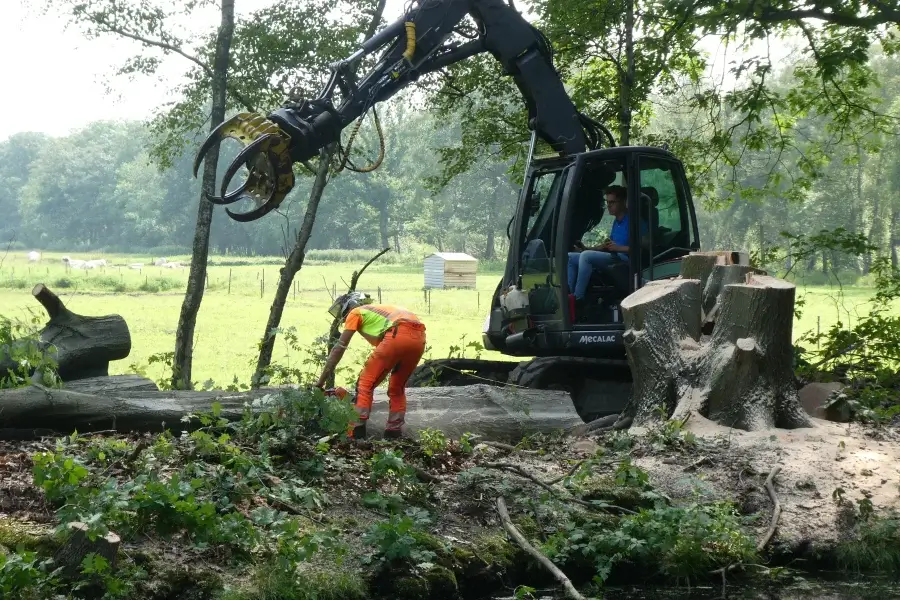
{"x": 583, "y": 202}
{"x": 668, "y": 221}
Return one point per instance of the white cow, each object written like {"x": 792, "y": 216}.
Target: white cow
{"x": 158, "y": 262}
{"x": 172, "y": 265}
{"x": 93, "y": 264}
{"x": 75, "y": 264}
{"x": 136, "y": 266}
{"x": 34, "y": 257}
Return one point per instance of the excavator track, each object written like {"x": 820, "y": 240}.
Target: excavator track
{"x": 598, "y": 387}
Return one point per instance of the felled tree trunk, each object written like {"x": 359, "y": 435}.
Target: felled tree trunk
{"x": 739, "y": 376}
{"x": 497, "y": 413}
{"x": 82, "y": 346}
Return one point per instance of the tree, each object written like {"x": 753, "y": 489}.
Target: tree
{"x": 149, "y": 25}
{"x": 17, "y": 155}
{"x": 611, "y": 56}
{"x": 294, "y": 260}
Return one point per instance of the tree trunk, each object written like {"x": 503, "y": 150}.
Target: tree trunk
{"x": 383, "y": 223}
{"x": 489, "y": 251}
{"x": 81, "y": 346}
{"x": 894, "y": 235}
{"x": 193, "y": 295}
{"x": 295, "y": 259}
{"x": 741, "y": 375}
{"x": 479, "y": 409}
{"x": 626, "y": 78}
{"x": 291, "y": 267}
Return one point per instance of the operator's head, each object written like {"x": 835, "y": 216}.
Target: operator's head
{"x": 615, "y": 200}
{"x": 345, "y": 303}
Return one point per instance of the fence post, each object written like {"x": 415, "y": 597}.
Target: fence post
{"x": 379, "y": 294}
{"x": 479, "y": 300}
{"x": 229, "y": 281}
{"x": 261, "y": 288}
{"x": 429, "y": 302}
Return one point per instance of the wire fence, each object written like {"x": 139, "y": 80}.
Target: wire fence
{"x": 315, "y": 285}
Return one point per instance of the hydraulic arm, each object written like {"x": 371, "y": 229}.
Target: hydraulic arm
{"x": 417, "y": 44}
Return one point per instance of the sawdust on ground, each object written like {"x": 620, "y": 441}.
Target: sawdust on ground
{"x": 817, "y": 463}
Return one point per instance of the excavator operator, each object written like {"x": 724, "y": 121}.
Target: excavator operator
{"x": 399, "y": 339}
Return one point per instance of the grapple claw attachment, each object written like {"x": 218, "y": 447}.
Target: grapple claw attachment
{"x": 266, "y": 154}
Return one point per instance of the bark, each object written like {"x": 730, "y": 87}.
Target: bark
{"x": 626, "y": 78}
{"x": 71, "y": 554}
{"x": 193, "y": 295}
{"x": 719, "y": 277}
{"x": 894, "y": 236}
{"x": 383, "y": 223}
{"x": 81, "y": 346}
{"x": 489, "y": 250}
{"x": 740, "y": 376}
{"x": 291, "y": 267}
{"x": 495, "y": 413}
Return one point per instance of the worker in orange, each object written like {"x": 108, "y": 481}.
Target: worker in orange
{"x": 399, "y": 340}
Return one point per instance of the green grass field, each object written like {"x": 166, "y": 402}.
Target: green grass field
{"x": 232, "y": 317}
{"x": 231, "y": 324}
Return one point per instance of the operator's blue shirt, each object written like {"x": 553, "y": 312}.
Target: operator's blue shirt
{"x": 620, "y": 234}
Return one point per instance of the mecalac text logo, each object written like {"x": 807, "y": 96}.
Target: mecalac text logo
{"x": 594, "y": 339}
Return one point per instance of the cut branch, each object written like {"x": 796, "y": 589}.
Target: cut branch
{"x": 545, "y": 562}
{"x": 776, "y": 511}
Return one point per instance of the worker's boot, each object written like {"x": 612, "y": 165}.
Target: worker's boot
{"x": 392, "y": 434}
{"x": 359, "y": 432}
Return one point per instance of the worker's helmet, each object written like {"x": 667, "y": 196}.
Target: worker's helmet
{"x": 344, "y": 303}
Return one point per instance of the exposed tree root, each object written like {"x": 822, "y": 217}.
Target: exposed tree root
{"x": 545, "y": 562}
{"x": 776, "y": 512}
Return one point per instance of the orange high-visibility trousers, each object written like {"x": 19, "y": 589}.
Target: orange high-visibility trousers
{"x": 397, "y": 354}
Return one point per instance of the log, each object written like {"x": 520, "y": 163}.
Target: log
{"x": 739, "y": 376}
{"x": 78, "y": 545}
{"x": 503, "y": 414}
{"x": 82, "y": 346}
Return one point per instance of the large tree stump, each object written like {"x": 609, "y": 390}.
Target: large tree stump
{"x": 78, "y": 545}
{"x": 82, "y": 346}
{"x": 740, "y": 375}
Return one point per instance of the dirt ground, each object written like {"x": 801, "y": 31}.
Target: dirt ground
{"x": 816, "y": 464}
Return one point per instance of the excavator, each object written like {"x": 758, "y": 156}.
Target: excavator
{"x": 532, "y": 313}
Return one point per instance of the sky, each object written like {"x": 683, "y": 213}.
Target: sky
{"x": 58, "y": 81}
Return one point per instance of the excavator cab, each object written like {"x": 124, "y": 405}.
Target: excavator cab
{"x": 563, "y": 202}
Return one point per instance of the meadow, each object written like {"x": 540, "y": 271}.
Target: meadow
{"x": 239, "y": 292}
